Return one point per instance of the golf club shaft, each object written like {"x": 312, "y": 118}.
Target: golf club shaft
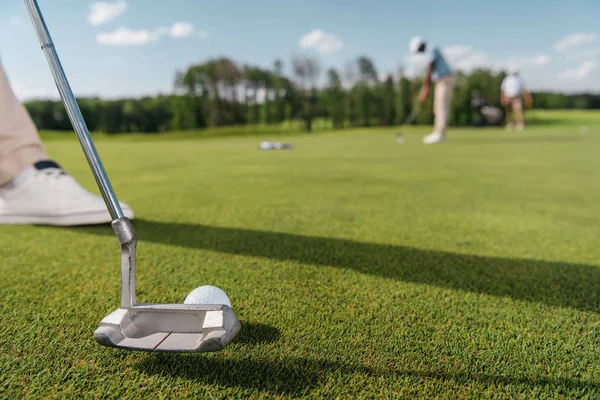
{"x": 114, "y": 208}
{"x": 413, "y": 114}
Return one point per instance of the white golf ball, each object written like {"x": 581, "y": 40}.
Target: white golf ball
{"x": 207, "y": 295}
{"x": 583, "y": 130}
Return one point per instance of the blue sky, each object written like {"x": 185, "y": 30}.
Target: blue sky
{"x": 118, "y": 48}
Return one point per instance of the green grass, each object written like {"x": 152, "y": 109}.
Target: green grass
{"x": 358, "y": 267}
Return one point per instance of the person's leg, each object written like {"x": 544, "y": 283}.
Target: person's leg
{"x": 442, "y": 103}
{"x": 509, "y": 116}
{"x": 441, "y": 110}
{"x": 34, "y": 189}
{"x": 447, "y": 102}
{"x": 510, "y": 113}
{"x": 517, "y": 106}
{"x": 438, "y": 108}
{"x": 20, "y": 144}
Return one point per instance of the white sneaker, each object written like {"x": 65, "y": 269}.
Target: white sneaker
{"x": 434, "y": 138}
{"x": 44, "y": 194}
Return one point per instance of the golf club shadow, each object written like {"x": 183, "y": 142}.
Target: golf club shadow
{"x": 556, "y": 284}
{"x": 518, "y": 139}
{"x": 293, "y": 376}
{"x": 253, "y": 333}
{"x": 500, "y": 380}
{"x": 546, "y": 121}
{"x": 288, "y": 376}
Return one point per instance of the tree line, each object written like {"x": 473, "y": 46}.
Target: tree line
{"x": 220, "y": 92}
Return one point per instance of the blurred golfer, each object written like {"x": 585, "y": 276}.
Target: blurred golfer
{"x": 512, "y": 92}
{"x": 438, "y": 71}
{"x": 33, "y": 188}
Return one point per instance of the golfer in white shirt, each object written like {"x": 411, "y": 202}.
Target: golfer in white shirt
{"x": 512, "y": 92}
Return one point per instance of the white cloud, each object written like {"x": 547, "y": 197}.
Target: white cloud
{"x": 460, "y": 57}
{"x": 457, "y": 51}
{"x": 584, "y": 54}
{"x": 102, "y": 12}
{"x": 15, "y": 22}
{"x": 465, "y": 58}
{"x": 182, "y": 29}
{"x": 540, "y": 60}
{"x": 574, "y": 40}
{"x": 415, "y": 66}
{"x": 581, "y": 72}
{"x": 322, "y": 42}
{"x": 161, "y": 31}
{"x": 126, "y": 37}
{"x": 26, "y": 93}
{"x": 382, "y": 76}
{"x": 524, "y": 62}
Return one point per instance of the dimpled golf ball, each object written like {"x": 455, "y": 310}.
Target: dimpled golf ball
{"x": 207, "y": 295}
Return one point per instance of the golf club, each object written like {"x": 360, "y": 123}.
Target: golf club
{"x": 409, "y": 120}
{"x": 136, "y": 326}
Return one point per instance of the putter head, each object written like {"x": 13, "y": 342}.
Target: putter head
{"x": 169, "y": 328}
{"x": 161, "y": 327}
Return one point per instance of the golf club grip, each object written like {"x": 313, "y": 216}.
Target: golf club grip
{"x": 68, "y": 98}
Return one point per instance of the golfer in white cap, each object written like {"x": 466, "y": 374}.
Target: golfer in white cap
{"x": 438, "y": 71}
{"x": 512, "y": 91}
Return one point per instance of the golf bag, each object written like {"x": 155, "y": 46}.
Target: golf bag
{"x": 487, "y": 114}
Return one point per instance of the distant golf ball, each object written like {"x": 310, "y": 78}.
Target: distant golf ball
{"x": 583, "y": 130}
{"x": 207, "y": 295}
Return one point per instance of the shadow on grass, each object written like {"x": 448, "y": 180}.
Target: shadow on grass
{"x": 291, "y": 376}
{"x": 253, "y": 333}
{"x": 512, "y": 137}
{"x": 547, "y": 121}
{"x": 552, "y": 283}
{"x": 299, "y": 376}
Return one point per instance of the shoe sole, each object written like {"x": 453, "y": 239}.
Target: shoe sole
{"x": 61, "y": 220}
{"x": 438, "y": 142}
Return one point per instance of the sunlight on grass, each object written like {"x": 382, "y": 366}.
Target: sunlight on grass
{"x": 357, "y": 267}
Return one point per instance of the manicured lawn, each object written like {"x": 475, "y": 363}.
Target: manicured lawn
{"x": 358, "y": 267}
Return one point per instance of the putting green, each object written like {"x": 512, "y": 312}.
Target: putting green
{"x": 358, "y": 267}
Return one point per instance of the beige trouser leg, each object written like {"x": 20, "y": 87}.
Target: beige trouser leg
{"x": 441, "y": 103}
{"x": 516, "y": 105}
{"x": 20, "y": 144}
